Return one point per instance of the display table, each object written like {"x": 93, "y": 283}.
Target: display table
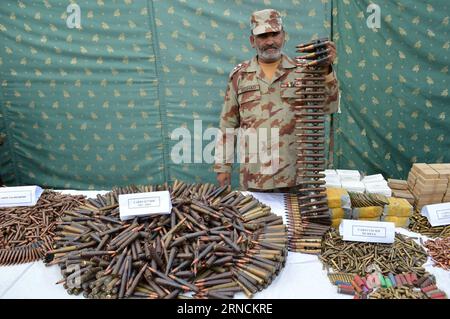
{"x": 303, "y": 276}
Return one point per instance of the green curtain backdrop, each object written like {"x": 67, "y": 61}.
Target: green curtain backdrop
{"x": 95, "y": 107}
{"x": 80, "y": 107}
{"x": 394, "y": 84}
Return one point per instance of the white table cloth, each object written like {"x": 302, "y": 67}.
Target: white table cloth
{"x": 303, "y": 276}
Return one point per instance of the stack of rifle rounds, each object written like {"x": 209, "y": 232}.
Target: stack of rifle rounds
{"x": 214, "y": 244}
{"x": 310, "y": 217}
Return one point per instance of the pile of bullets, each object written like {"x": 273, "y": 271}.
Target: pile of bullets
{"x": 439, "y": 250}
{"x": 215, "y": 243}
{"x": 421, "y": 288}
{"x": 421, "y": 225}
{"x": 311, "y": 218}
{"x": 378, "y": 286}
{"x": 403, "y": 256}
{"x": 367, "y": 200}
{"x": 26, "y": 233}
{"x": 337, "y": 278}
{"x": 397, "y": 293}
{"x": 304, "y": 236}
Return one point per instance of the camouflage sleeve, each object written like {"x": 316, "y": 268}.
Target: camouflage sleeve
{"x": 332, "y": 89}
{"x": 229, "y": 121}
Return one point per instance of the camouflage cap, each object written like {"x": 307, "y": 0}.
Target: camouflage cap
{"x": 268, "y": 20}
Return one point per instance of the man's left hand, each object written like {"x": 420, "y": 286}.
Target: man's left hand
{"x": 332, "y": 53}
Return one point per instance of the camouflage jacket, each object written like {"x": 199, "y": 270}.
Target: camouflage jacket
{"x": 253, "y": 102}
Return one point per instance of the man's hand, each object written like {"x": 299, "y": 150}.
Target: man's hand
{"x": 332, "y": 51}
{"x": 224, "y": 178}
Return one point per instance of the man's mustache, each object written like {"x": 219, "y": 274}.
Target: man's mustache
{"x": 270, "y": 47}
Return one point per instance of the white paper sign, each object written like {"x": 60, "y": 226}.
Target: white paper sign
{"x": 19, "y": 196}
{"x": 437, "y": 214}
{"x": 144, "y": 204}
{"x": 367, "y": 231}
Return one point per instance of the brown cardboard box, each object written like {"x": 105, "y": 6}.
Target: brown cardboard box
{"x": 438, "y": 166}
{"x": 424, "y": 170}
{"x": 429, "y": 189}
{"x": 444, "y": 173}
{"x": 418, "y": 167}
{"x": 397, "y": 184}
{"x": 402, "y": 194}
{"x": 429, "y": 183}
{"x": 446, "y": 197}
{"x": 411, "y": 180}
{"x": 442, "y": 169}
{"x": 432, "y": 181}
{"x": 427, "y": 196}
{"x": 429, "y": 174}
{"x": 426, "y": 201}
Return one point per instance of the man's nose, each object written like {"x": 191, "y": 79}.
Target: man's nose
{"x": 269, "y": 40}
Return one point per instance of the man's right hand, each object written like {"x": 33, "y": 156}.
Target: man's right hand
{"x": 224, "y": 178}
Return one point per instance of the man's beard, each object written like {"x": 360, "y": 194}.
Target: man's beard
{"x": 269, "y": 56}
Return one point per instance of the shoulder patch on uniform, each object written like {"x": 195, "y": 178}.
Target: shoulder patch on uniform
{"x": 237, "y": 68}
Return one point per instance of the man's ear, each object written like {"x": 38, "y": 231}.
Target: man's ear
{"x": 252, "y": 40}
{"x": 284, "y": 35}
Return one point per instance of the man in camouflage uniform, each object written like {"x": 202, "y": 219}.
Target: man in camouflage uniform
{"x": 257, "y": 99}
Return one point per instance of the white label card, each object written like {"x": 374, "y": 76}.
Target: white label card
{"x": 367, "y": 231}
{"x": 437, "y": 214}
{"x": 144, "y": 204}
{"x": 19, "y": 196}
